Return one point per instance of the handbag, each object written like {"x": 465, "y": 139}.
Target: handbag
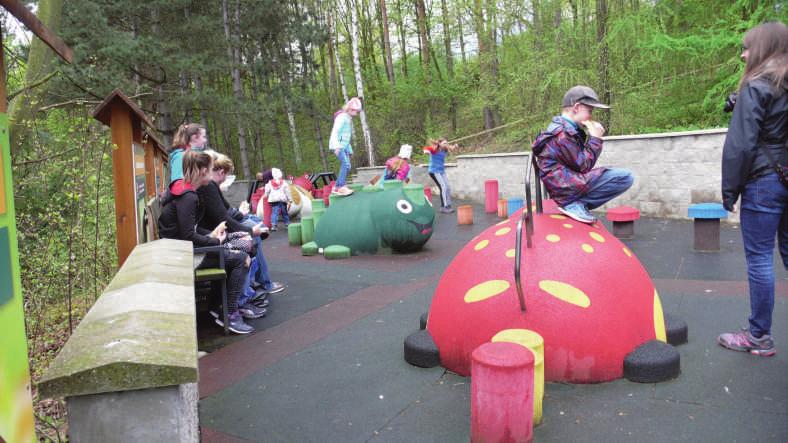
{"x": 239, "y": 241}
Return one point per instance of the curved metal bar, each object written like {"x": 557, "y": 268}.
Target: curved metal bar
{"x": 526, "y": 218}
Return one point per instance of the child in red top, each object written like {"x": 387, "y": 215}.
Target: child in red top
{"x": 397, "y": 168}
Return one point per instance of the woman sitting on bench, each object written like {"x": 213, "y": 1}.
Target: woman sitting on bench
{"x": 180, "y": 214}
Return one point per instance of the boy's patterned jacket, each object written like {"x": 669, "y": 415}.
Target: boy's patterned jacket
{"x": 565, "y": 160}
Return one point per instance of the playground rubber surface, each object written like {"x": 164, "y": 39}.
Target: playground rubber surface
{"x": 326, "y": 364}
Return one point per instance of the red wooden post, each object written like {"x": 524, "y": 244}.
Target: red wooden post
{"x": 491, "y": 196}
{"x": 502, "y": 390}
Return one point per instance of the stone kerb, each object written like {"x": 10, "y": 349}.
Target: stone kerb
{"x": 141, "y": 332}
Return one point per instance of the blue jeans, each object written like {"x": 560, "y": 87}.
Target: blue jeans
{"x": 612, "y": 183}
{"x": 261, "y": 276}
{"x": 764, "y": 216}
{"x": 344, "y": 168}
{"x": 276, "y": 209}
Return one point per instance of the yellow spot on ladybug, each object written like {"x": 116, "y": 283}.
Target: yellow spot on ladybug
{"x": 485, "y": 290}
{"x": 567, "y": 226}
{"x": 510, "y": 253}
{"x": 481, "y": 245}
{"x": 502, "y": 231}
{"x": 553, "y": 238}
{"x": 565, "y": 292}
{"x": 558, "y": 217}
{"x": 659, "y": 319}
{"x": 597, "y": 237}
{"x": 587, "y": 248}
{"x": 628, "y": 252}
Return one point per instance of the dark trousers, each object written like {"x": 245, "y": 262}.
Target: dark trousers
{"x": 235, "y": 266}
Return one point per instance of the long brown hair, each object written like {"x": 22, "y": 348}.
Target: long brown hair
{"x": 193, "y": 164}
{"x": 184, "y": 134}
{"x": 767, "y": 44}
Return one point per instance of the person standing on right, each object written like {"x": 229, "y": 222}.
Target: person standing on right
{"x": 339, "y": 143}
{"x": 755, "y": 148}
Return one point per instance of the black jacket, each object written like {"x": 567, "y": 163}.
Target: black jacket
{"x": 217, "y": 210}
{"x": 760, "y": 121}
{"x": 179, "y": 218}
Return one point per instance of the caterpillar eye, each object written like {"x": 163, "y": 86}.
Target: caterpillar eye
{"x": 404, "y": 206}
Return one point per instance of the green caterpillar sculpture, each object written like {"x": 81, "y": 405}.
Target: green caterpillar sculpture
{"x": 396, "y": 218}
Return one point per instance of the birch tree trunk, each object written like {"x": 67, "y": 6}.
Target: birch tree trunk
{"x": 233, "y": 52}
{"x": 449, "y": 63}
{"x": 360, "y": 86}
{"x": 601, "y": 34}
{"x": 403, "y": 47}
{"x": 424, "y": 40}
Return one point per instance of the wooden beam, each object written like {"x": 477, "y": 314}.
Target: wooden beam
{"x": 18, "y": 10}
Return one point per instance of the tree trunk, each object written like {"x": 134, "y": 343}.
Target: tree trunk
{"x": 449, "y": 63}
{"x": 601, "y": 33}
{"x": 40, "y": 65}
{"x": 360, "y": 86}
{"x": 486, "y": 66}
{"x": 384, "y": 21}
{"x": 332, "y": 53}
{"x": 424, "y": 41}
{"x": 402, "y": 45}
{"x": 233, "y": 52}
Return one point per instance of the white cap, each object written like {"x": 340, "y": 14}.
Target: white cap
{"x": 276, "y": 173}
{"x": 405, "y": 151}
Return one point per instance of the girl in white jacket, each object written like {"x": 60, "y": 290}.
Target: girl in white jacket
{"x": 277, "y": 191}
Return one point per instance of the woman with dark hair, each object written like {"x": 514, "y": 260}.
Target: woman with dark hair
{"x": 753, "y": 167}
{"x": 180, "y": 215}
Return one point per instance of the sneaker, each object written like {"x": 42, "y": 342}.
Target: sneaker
{"x": 744, "y": 341}
{"x": 447, "y": 210}
{"x": 344, "y": 191}
{"x": 273, "y": 229}
{"x": 236, "y": 324}
{"x": 260, "y": 295}
{"x": 252, "y": 311}
{"x": 261, "y": 303}
{"x": 577, "y": 211}
{"x": 275, "y": 287}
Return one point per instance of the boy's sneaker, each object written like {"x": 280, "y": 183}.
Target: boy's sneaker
{"x": 252, "y": 311}
{"x": 447, "y": 210}
{"x": 275, "y": 287}
{"x": 273, "y": 228}
{"x": 577, "y": 211}
{"x": 744, "y": 341}
{"x": 236, "y": 324}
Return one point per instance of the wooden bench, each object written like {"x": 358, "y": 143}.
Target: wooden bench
{"x": 217, "y": 274}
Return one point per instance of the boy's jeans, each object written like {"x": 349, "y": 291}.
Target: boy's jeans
{"x": 612, "y": 183}
{"x": 261, "y": 276}
{"x": 344, "y": 167}
{"x": 764, "y": 216}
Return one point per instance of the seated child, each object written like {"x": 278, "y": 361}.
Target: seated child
{"x": 397, "y": 168}
{"x": 566, "y": 155}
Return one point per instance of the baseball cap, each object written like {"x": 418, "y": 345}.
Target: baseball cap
{"x": 584, "y": 95}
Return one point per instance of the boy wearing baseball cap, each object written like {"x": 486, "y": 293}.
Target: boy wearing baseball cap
{"x": 566, "y": 153}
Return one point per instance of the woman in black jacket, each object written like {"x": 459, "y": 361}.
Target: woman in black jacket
{"x": 180, "y": 215}
{"x": 754, "y": 149}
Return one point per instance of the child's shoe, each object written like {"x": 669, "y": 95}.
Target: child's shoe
{"x": 744, "y": 341}
{"x": 577, "y": 211}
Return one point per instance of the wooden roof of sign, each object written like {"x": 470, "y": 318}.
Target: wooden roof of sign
{"x": 102, "y": 111}
{"x": 156, "y": 141}
{"x": 18, "y": 10}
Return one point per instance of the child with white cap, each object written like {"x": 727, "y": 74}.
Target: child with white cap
{"x": 339, "y": 143}
{"x": 277, "y": 191}
{"x": 397, "y": 168}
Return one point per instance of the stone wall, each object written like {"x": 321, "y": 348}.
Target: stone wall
{"x": 672, "y": 170}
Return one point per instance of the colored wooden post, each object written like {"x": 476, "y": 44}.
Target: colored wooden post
{"x": 534, "y": 343}
{"x": 502, "y": 208}
{"x": 490, "y": 196}
{"x": 266, "y": 212}
{"x": 512, "y": 205}
{"x": 428, "y": 193}
{"x": 706, "y": 223}
{"x": 294, "y": 234}
{"x": 316, "y": 214}
{"x": 502, "y": 384}
{"x": 307, "y": 229}
{"x": 465, "y": 215}
{"x": 623, "y": 218}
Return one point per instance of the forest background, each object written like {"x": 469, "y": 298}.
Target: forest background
{"x": 266, "y": 76}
